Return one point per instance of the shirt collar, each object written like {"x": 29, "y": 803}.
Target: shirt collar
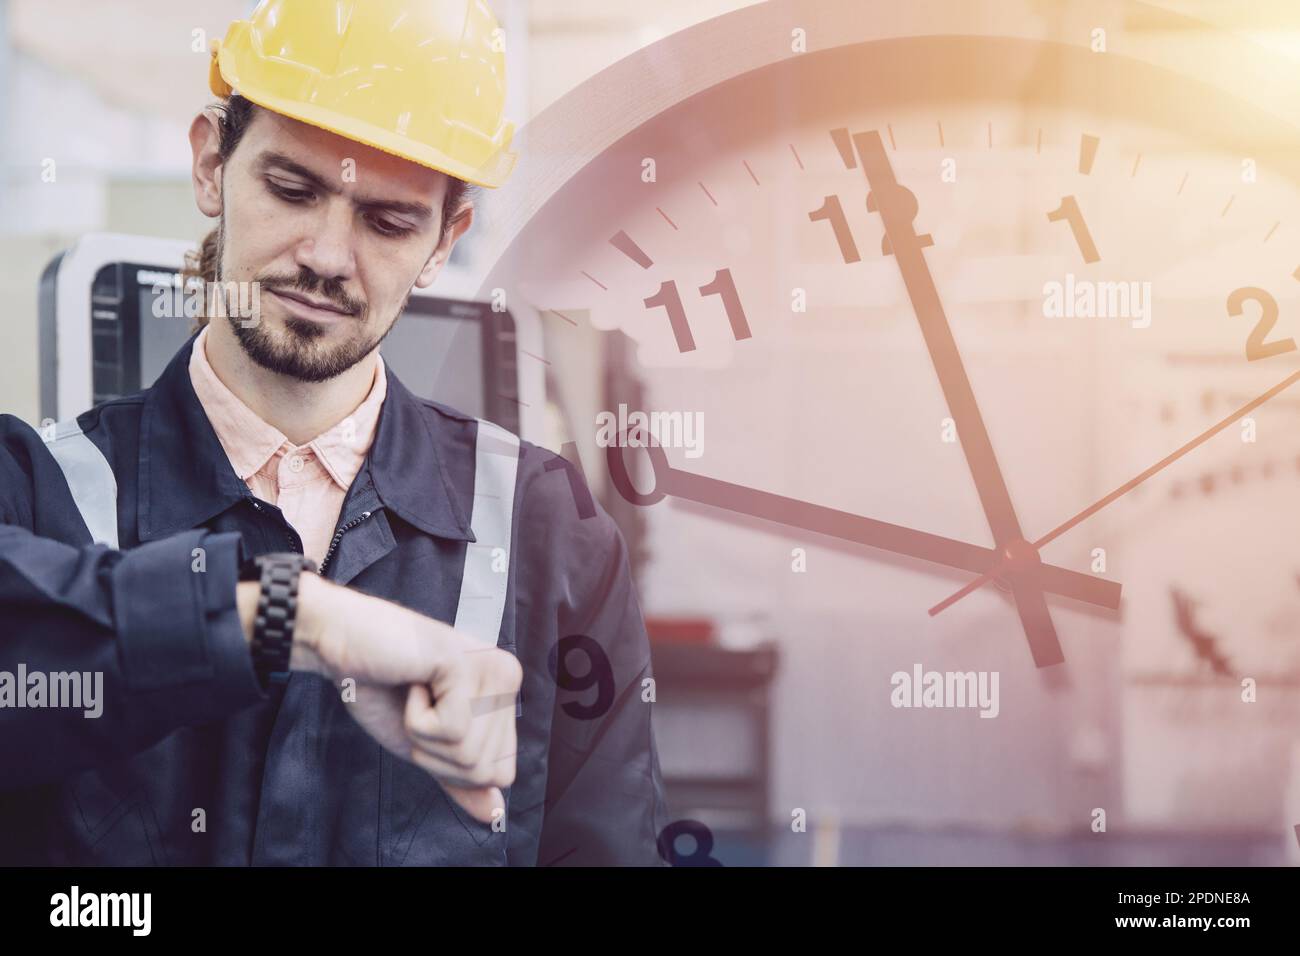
{"x": 342, "y": 449}
{"x": 250, "y": 442}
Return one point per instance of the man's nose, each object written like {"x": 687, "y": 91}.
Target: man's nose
{"x": 328, "y": 252}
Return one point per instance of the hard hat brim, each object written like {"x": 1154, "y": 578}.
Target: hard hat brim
{"x": 491, "y": 176}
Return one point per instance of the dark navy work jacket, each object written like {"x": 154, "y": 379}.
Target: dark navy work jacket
{"x": 190, "y": 763}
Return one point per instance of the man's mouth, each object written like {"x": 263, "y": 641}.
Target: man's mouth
{"x": 309, "y": 308}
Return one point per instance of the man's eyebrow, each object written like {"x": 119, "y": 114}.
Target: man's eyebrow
{"x": 271, "y": 159}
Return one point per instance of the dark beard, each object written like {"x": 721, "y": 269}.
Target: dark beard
{"x": 299, "y": 357}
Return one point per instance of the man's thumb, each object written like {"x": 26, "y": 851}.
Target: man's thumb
{"x": 479, "y": 802}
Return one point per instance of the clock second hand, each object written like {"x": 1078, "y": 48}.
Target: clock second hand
{"x": 1123, "y": 489}
{"x": 842, "y": 525}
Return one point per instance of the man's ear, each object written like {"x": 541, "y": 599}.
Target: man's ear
{"x": 440, "y": 254}
{"x": 205, "y": 139}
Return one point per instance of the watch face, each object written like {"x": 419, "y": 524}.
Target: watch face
{"x": 969, "y": 351}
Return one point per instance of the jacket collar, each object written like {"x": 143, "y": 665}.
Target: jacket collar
{"x": 186, "y": 478}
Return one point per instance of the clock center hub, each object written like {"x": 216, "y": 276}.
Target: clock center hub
{"x": 1018, "y": 556}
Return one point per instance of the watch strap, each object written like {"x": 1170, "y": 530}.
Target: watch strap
{"x": 277, "y": 611}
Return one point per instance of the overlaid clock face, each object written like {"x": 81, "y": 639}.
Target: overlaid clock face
{"x": 982, "y": 352}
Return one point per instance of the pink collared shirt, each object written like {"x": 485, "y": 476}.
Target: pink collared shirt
{"x": 307, "y": 482}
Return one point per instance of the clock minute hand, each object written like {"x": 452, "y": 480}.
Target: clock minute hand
{"x": 898, "y": 207}
{"x": 842, "y": 525}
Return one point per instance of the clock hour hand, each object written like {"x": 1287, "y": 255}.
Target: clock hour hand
{"x": 842, "y": 525}
{"x": 898, "y": 207}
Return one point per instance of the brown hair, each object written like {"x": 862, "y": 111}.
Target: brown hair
{"x": 234, "y": 115}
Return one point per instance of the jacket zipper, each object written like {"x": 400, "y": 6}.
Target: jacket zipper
{"x": 293, "y": 545}
{"x": 338, "y": 535}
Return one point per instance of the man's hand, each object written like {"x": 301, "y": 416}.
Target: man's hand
{"x": 428, "y": 693}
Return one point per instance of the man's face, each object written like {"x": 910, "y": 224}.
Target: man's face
{"x": 334, "y": 232}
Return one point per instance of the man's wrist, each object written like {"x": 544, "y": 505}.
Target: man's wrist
{"x": 309, "y": 616}
{"x": 246, "y": 597}
{"x": 313, "y": 599}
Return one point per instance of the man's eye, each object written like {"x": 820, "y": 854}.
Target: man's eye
{"x": 288, "y": 193}
{"x": 392, "y": 231}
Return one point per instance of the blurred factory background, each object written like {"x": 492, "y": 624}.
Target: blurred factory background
{"x": 762, "y": 711}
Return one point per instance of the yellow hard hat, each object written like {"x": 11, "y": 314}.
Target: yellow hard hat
{"x": 421, "y": 79}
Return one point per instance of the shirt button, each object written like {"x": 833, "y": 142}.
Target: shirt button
{"x": 295, "y": 464}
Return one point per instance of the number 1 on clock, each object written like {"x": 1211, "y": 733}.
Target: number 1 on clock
{"x": 1069, "y": 211}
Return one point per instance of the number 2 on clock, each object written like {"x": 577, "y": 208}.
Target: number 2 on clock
{"x": 1256, "y": 347}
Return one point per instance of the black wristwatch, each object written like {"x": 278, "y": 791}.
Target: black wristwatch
{"x": 277, "y": 610}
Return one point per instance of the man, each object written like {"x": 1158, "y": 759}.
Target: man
{"x": 416, "y": 702}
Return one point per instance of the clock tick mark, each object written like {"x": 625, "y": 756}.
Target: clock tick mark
{"x": 1183, "y": 183}
{"x": 707, "y": 193}
{"x": 751, "y": 172}
{"x": 1137, "y": 161}
{"x": 666, "y": 219}
{"x": 1228, "y": 205}
{"x": 1273, "y": 230}
{"x": 626, "y": 245}
{"x": 1087, "y": 151}
{"x": 572, "y": 322}
{"x": 940, "y": 125}
{"x": 531, "y": 355}
{"x": 890, "y": 130}
{"x": 796, "y": 156}
{"x": 595, "y": 280}
{"x": 840, "y": 137}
